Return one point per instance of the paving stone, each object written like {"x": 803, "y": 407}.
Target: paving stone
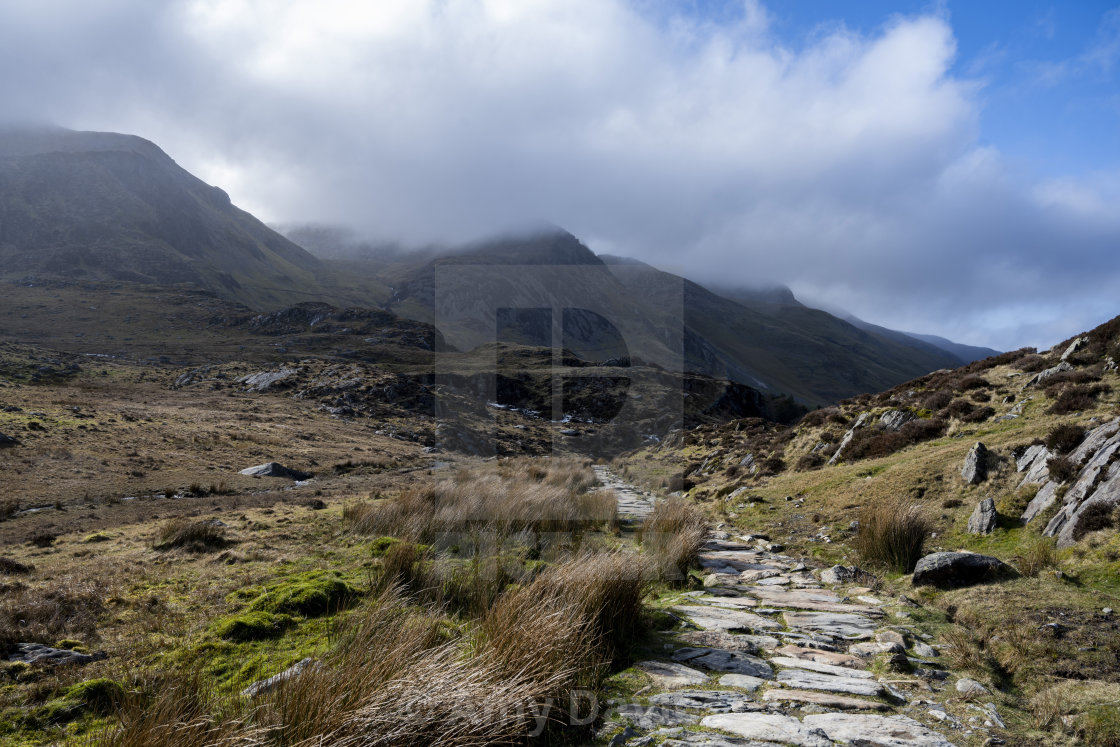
{"x": 870, "y": 649}
{"x": 816, "y": 666}
{"x": 849, "y": 626}
{"x": 879, "y": 731}
{"x": 720, "y": 579}
{"x": 769, "y": 727}
{"x": 727, "y": 601}
{"x": 714, "y": 618}
{"x": 742, "y": 681}
{"x": 801, "y": 679}
{"x": 717, "y": 701}
{"x": 725, "y": 661}
{"x": 824, "y": 700}
{"x": 825, "y": 657}
{"x": 670, "y": 675}
{"x": 812, "y": 601}
{"x": 651, "y": 717}
{"x": 750, "y": 577}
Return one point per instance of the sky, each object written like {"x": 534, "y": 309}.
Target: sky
{"x": 941, "y": 167}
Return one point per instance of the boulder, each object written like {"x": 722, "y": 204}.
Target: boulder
{"x": 953, "y": 569}
{"x": 975, "y": 469}
{"x": 966, "y": 686}
{"x": 8, "y": 441}
{"x": 1074, "y": 346}
{"x": 266, "y": 380}
{"x": 983, "y": 519}
{"x": 275, "y": 469}
{"x": 839, "y": 574}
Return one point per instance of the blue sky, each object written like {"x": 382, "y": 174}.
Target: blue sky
{"x": 950, "y": 167}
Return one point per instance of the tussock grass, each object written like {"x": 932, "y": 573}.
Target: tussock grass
{"x": 1037, "y": 557}
{"x": 43, "y": 615}
{"x": 673, "y": 534}
{"x": 892, "y": 534}
{"x": 518, "y": 496}
{"x": 192, "y": 536}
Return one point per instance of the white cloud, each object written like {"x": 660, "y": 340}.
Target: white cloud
{"x": 847, "y": 166}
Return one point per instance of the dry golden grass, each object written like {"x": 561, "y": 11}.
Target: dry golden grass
{"x": 673, "y": 534}
{"x": 892, "y": 535}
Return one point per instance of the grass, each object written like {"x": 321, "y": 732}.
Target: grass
{"x": 192, "y": 536}
{"x": 892, "y": 535}
{"x": 672, "y": 535}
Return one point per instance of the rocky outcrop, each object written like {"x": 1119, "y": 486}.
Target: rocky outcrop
{"x": 263, "y": 381}
{"x": 275, "y": 469}
{"x": 1041, "y": 377}
{"x": 949, "y": 570}
{"x": 1034, "y": 462}
{"x": 893, "y": 420}
{"x": 975, "y": 469}
{"x": 1089, "y": 497}
{"x": 1074, "y": 346}
{"x": 983, "y": 519}
{"x": 861, "y": 421}
{"x": 37, "y": 653}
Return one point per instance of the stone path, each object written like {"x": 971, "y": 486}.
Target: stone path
{"x": 771, "y": 655}
{"x": 634, "y": 504}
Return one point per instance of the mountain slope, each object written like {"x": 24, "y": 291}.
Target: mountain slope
{"x": 967, "y": 353}
{"x": 104, "y": 206}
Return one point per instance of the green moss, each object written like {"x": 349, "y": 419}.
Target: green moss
{"x": 101, "y": 695}
{"x": 381, "y": 545}
{"x": 69, "y": 644}
{"x": 308, "y": 594}
{"x": 252, "y": 626}
{"x": 98, "y": 537}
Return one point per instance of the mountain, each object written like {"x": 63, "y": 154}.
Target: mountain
{"x": 763, "y": 338}
{"x": 967, "y": 353}
{"x": 103, "y": 206}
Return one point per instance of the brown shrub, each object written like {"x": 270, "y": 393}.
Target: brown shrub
{"x": 1064, "y": 438}
{"x": 979, "y": 415}
{"x": 969, "y": 382}
{"x": 36, "y": 615}
{"x": 870, "y": 443}
{"x": 1030, "y": 363}
{"x": 1061, "y": 468}
{"x": 1075, "y": 398}
{"x": 936, "y": 400}
{"x": 958, "y": 408}
{"x": 811, "y": 461}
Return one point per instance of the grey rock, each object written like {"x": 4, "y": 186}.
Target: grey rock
{"x": 823, "y": 700}
{"x": 671, "y": 674}
{"x": 717, "y": 701}
{"x": 8, "y": 441}
{"x": 722, "y": 639}
{"x": 275, "y": 469}
{"x": 623, "y": 737}
{"x": 769, "y": 727}
{"x": 876, "y": 731}
{"x": 725, "y": 661}
{"x": 870, "y": 649}
{"x": 975, "y": 469}
{"x": 1040, "y": 378}
{"x": 1074, "y": 346}
{"x": 847, "y": 439}
{"x": 1042, "y": 500}
{"x": 1084, "y": 517}
{"x": 1033, "y": 462}
{"x": 266, "y": 380}
{"x": 715, "y": 618}
{"x": 37, "y": 653}
{"x": 802, "y": 679}
{"x": 707, "y": 739}
{"x": 821, "y": 667}
{"x": 892, "y": 420}
{"x": 742, "y": 681}
{"x": 966, "y": 686}
{"x": 839, "y": 574}
{"x": 845, "y": 625}
{"x": 983, "y": 519}
{"x": 955, "y": 569}
{"x": 266, "y": 685}
{"x": 651, "y": 717}
{"x": 925, "y": 650}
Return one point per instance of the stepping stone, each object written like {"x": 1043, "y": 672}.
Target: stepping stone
{"x": 670, "y": 675}
{"x": 725, "y": 661}
{"x": 815, "y": 595}
{"x": 714, "y": 618}
{"x": 738, "y": 560}
{"x": 825, "y": 700}
{"x": 742, "y": 681}
{"x": 881, "y": 731}
{"x": 816, "y": 666}
{"x": 800, "y": 679}
{"x": 750, "y": 577}
{"x": 769, "y": 727}
{"x": 775, "y": 581}
{"x": 824, "y": 657}
{"x": 870, "y": 649}
{"x": 652, "y": 717}
{"x": 804, "y": 601}
{"x": 727, "y": 601}
{"x": 718, "y": 701}
{"x": 849, "y": 626}
{"x": 720, "y": 579}
{"x": 721, "y": 639}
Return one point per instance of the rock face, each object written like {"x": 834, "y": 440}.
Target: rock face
{"x": 983, "y": 519}
{"x": 975, "y": 469}
{"x": 266, "y": 380}
{"x": 275, "y": 469}
{"x": 1041, "y": 377}
{"x": 892, "y": 420}
{"x": 1089, "y": 497}
{"x": 954, "y": 569}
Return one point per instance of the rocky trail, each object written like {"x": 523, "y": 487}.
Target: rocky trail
{"x": 777, "y": 654}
